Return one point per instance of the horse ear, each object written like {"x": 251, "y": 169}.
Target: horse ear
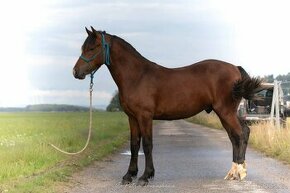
{"x": 93, "y": 30}
{"x": 89, "y": 32}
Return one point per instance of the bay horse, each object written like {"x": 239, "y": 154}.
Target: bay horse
{"x": 149, "y": 92}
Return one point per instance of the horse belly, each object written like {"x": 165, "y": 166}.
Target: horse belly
{"x": 179, "y": 106}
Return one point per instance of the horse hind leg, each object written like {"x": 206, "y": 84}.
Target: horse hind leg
{"x": 239, "y": 134}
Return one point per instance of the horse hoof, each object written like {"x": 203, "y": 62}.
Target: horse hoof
{"x": 127, "y": 179}
{"x": 142, "y": 182}
{"x": 242, "y": 171}
{"x": 237, "y": 172}
{"x": 126, "y": 182}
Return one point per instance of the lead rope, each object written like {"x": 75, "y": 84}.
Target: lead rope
{"x": 90, "y": 124}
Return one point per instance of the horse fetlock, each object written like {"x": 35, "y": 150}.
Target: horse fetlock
{"x": 149, "y": 173}
{"x": 237, "y": 172}
{"x": 133, "y": 172}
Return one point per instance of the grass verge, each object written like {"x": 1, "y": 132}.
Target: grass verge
{"x": 273, "y": 142}
{"x": 209, "y": 120}
{"x": 29, "y": 164}
{"x": 264, "y": 137}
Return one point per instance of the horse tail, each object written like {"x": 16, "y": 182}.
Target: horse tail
{"x": 246, "y": 86}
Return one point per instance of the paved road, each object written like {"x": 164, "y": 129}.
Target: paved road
{"x": 187, "y": 158}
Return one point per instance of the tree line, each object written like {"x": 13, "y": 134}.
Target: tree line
{"x": 285, "y": 79}
{"x": 46, "y": 108}
{"x": 270, "y": 78}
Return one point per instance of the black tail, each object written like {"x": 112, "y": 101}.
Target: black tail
{"x": 247, "y": 86}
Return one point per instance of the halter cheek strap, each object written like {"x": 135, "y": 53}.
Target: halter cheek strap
{"x": 106, "y": 48}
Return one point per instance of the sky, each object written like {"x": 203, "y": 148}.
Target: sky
{"x": 40, "y": 41}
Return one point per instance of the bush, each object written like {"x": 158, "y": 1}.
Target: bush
{"x": 114, "y": 104}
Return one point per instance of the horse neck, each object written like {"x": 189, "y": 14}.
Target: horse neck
{"x": 127, "y": 65}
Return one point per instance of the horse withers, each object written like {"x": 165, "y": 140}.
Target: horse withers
{"x": 149, "y": 92}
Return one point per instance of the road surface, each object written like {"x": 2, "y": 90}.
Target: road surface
{"x": 187, "y": 158}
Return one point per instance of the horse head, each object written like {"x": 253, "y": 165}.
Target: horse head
{"x": 95, "y": 52}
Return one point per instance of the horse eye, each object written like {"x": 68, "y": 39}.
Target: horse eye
{"x": 91, "y": 49}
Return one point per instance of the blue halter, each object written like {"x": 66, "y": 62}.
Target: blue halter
{"x": 106, "y": 47}
{"x": 106, "y": 51}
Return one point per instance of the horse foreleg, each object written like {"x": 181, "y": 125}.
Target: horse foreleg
{"x": 145, "y": 124}
{"x": 135, "y": 146}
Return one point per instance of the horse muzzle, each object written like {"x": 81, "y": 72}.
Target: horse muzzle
{"x": 78, "y": 75}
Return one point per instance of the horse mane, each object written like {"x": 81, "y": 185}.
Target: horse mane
{"x": 126, "y": 45}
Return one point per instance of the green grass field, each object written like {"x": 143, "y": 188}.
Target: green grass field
{"x": 29, "y": 164}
